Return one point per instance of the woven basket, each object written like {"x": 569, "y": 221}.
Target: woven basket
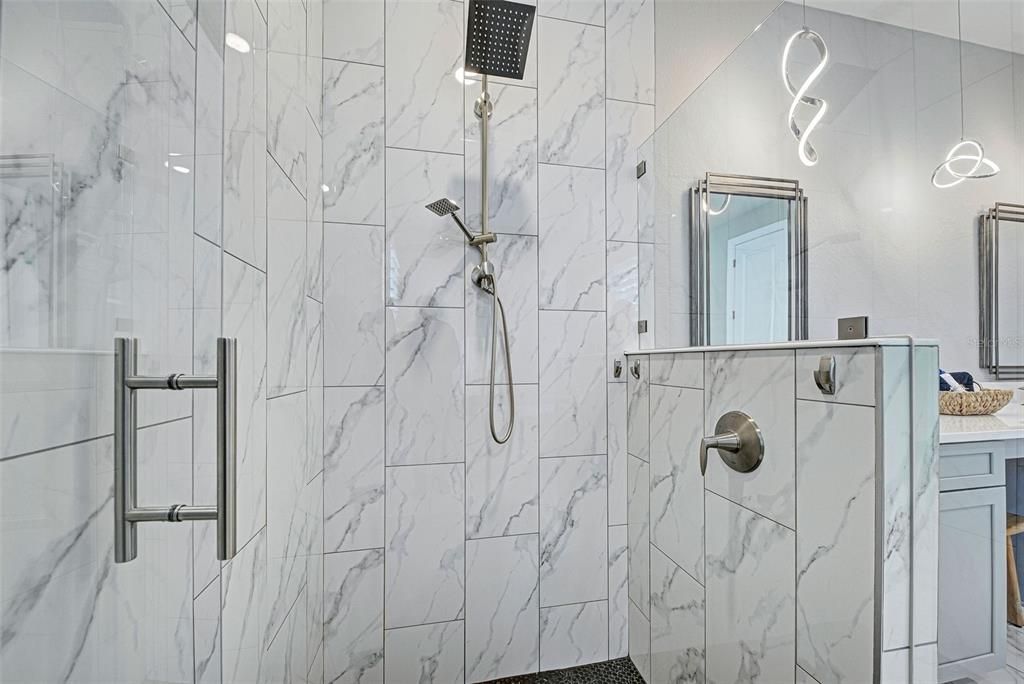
{"x": 981, "y": 402}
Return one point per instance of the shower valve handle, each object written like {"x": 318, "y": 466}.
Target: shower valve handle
{"x": 738, "y": 440}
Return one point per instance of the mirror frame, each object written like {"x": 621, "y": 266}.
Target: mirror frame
{"x": 751, "y": 186}
{"x": 988, "y": 290}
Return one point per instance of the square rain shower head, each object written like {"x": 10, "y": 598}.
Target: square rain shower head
{"x": 498, "y": 37}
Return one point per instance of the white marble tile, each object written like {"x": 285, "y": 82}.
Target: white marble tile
{"x": 353, "y": 149}
{"x": 584, "y": 11}
{"x": 286, "y": 113}
{"x": 896, "y": 566}
{"x": 245, "y": 318}
{"x": 501, "y": 479}
{"x": 628, "y": 125}
{"x": 511, "y": 159}
{"x": 629, "y": 35}
{"x": 836, "y": 544}
{"x": 638, "y": 409}
{"x": 640, "y": 641}
{"x": 427, "y": 653}
{"x": 571, "y": 88}
{"x": 286, "y": 26}
{"x": 424, "y": 257}
{"x": 617, "y": 454}
{"x": 574, "y": 634}
{"x": 639, "y": 534}
{"x": 750, "y": 578}
{"x": 677, "y": 623}
{"x": 423, "y": 49}
{"x": 572, "y": 246}
{"x": 621, "y": 297}
{"x": 425, "y": 386}
{"x": 286, "y": 273}
{"x": 855, "y": 375}
{"x": 926, "y": 501}
{"x": 245, "y": 136}
{"x": 647, "y": 297}
{"x": 354, "y": 30}
{"x": 515, "y": 260}
{"x": 314, "y": 593}
{"x": 354, "y": 617}
{"x": 315, "y": 62}
{"x": 677, "y": 487}
{"x": 761, "y": 384}
{"x": 287, "y": 524}
{"x": 573, "y": 524}
{"x": 618, "y": 593}
{"x": 206, "y": 634}
{"x": 243, "y": 584}
{"x": 353, "y": 304}
{"x": 678, "y": 370}
{"x": 354, "y": 468}
{"x": 572, "y": 388}
{"x": 314, "y": 214}
{"x": 425, "y": 554}
{"x": 645, "y": 191}
{"x": 501, "y": 607}
{"x": 285, "y": 657}
{"x": 314, "y": 463}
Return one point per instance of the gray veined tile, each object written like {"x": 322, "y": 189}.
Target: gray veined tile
{"x": 640, "y": 641}
{"x": 677, "y": 501}
{"x": 573, "y": 525}
{"x": 286, "y": 26}
{"x": 647, "y": 294}
{"x": 573, "y": 405}
{"x": 638, "y": 531}
{"x": 502, "y": 599}
{"x": 571, "y": 88}
{"x": 354, "y": 30}
{"x": 426, "y": 547}
{"x": 286, "y": 114}
{"x": 314, "y": 214}
{"x": 243, "y": 578}
{"x": 425, "y": 386}
{"x": 354, "y": 617}
{"x": 583, "y": 11}
{"x": 628, "y": 126}
{"x": 572, "y": 246}
{"x": 638, "y": 409}
{"x": 501, "y": 479}
{"x": 855, "y": 375}
{"x": 575, "y": 634}
{"x": 836, "y": 518}
{"x": 645, "y": 190}
{"x": 761, "y": 384}
{"x": 511, "y": 158}
{"x": 750, "y": 579}
{"x": 426, "y": 653}
{"x": 618, "y": 593}
{"x": 629, "y": 37}
{"x": 621, "y": 296}
{"x": 678, "y": 370}
{"x": 314, "y": 388}
{"x": 354, "y": 304}
{"x": 617, "y": 454}
{"x": 286, "y": 280}
{"x": 354, "y": 468}
{"x": 677, "y": 623}
{"x": 515, "y": 260}
{"x": 315, "y": 61}
{"x": 425, "y": 252}
{"x": 353, "y": 145}
{"x": 424, "y": 43}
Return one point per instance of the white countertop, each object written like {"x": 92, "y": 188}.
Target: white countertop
{"x": 1006, "y": 424}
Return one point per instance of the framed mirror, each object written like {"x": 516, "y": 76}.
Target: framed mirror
{"x": 1001, "y": 278}
{"x": 748, "y": 260}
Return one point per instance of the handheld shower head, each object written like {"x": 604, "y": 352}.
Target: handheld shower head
{"x": 443, "y": 207}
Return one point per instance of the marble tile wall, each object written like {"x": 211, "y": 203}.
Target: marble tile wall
{"x": 183, "y": 140}
{"x": 485, "y": 560}
{"x": 726, "y": 582}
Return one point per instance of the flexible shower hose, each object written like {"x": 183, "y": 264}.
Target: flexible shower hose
{"x": 489, "y": 285}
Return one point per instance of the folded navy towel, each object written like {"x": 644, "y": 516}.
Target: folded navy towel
{"x": 963, "y": 377}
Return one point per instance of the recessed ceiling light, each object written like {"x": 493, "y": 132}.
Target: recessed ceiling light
{"x": 237, "y": 42}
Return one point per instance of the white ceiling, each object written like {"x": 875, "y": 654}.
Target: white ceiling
{"x": 994, "y": 23}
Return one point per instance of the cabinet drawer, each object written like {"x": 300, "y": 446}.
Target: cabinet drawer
{"x": 971, "y": 465}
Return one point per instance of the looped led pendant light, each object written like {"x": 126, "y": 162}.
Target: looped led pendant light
{"x": 966, "y": 159}
{"x": 808, "y": 155}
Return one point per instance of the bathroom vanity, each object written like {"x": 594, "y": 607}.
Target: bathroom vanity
{"x": 820, "y": 563}
{"x": 976, "y": 454}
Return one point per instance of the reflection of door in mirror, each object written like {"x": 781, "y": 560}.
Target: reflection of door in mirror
{"x": 758, "y": 280}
